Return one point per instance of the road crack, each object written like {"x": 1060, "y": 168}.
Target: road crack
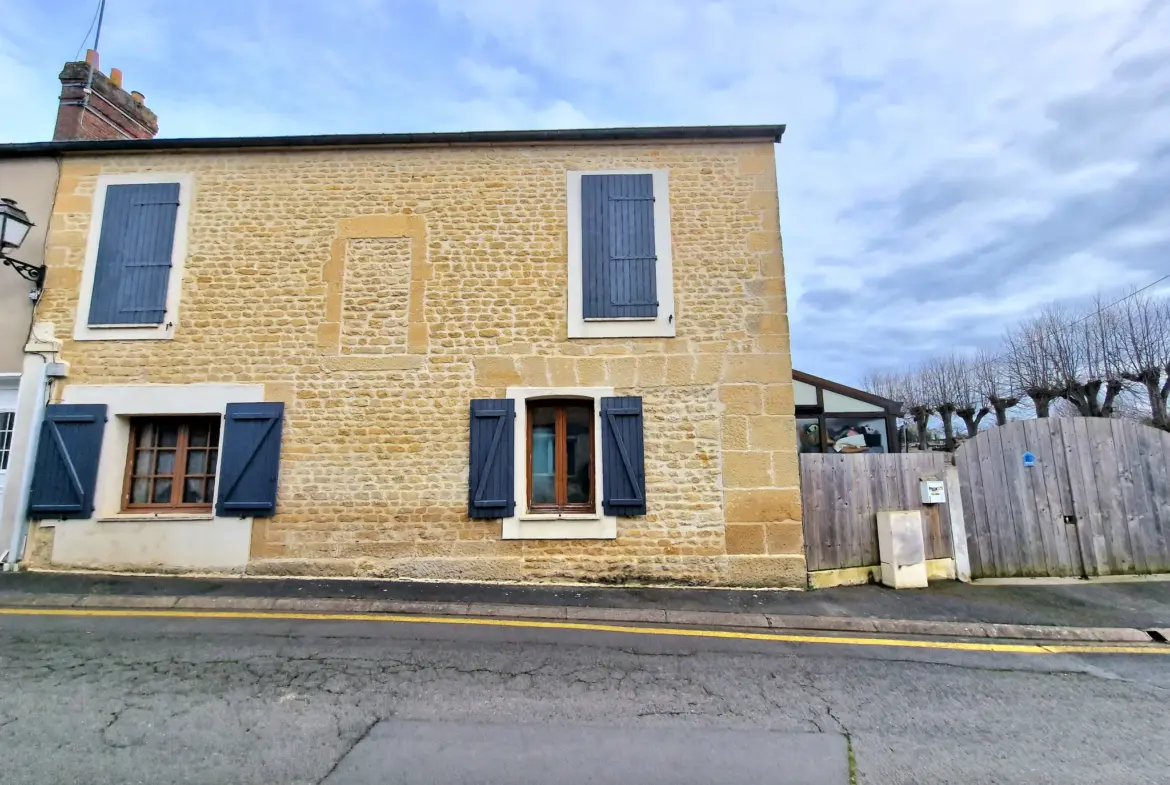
{"x": 349, "y": 748}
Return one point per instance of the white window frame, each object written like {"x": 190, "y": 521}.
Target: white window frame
{"x": 523, "y": 525}
{"x": 661, "y": 326}
{"x": 82, "y": 330}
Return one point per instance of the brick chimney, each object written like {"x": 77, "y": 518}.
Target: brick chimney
{"x": 94, "y": 106}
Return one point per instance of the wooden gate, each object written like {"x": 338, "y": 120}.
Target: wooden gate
{"x": 1066, "y": 497}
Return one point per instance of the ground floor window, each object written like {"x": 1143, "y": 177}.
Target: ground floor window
{"x": 560, "y": 456}
{"x": 6, "y": 421}
{"x": 171, "y": 463}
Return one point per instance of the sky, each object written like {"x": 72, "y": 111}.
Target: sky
{"x": 948, "y": 167}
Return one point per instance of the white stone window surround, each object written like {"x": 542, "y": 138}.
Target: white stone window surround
{"x": 662, "y": 326}
{"x": 112, "y": 538}
{"x": 552, "y": 526}
{"x": 82, "y": 331}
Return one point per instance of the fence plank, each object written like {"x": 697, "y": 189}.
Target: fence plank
{"x": 1049, "y": 514}
{"x": 963, "y": 465}
{"x": 983, "y": 564}
{"x": 1086, "y": 503}
{"x": 1014, "y": 551}
{"x": 1157, "y": 468}
{"x": 1055, "y": 470}
{"x": 1033, "y": 500}
{"x": 1103, "y": 454}
{"x": 1135, "y": 494}
{"x": 863, "y": 485}
{"x": 810, "y": 494}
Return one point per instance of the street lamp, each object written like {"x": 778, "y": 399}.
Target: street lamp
{"x": 14, "y": 226}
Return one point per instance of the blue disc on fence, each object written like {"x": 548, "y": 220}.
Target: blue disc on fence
{"x": 1029, "y": 459}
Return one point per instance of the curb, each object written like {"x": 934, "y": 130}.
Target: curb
{"x": 574, "y": 613}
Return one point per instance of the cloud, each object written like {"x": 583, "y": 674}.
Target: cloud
{"x": 947, "y": 166}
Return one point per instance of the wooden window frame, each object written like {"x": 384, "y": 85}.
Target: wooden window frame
{"x": 560, "y": 457}
{"x": 179, "y": 476}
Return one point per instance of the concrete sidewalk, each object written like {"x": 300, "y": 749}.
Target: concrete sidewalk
{"x": 1083, "y": 612}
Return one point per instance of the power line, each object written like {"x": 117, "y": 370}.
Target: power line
{"x": 92, "y": 22}
{"x": 1070, "y": 325}
{"x": 997, "y": 358}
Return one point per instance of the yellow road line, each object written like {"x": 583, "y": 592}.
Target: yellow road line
{"x": 1011, "y": 648}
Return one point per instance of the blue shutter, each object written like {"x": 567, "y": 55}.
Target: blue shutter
{"x": 134, "y": 254}
{"x": 618, "y": 260}
{"x": 65, "y": 472}
{"x": 491, "y": 476}
{"x": 623, "y": 456}
{"x": 250, "y": 464}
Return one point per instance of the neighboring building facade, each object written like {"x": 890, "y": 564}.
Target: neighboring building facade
{"x": 834, "y": 418}
{"x": 497, "y": 356}
{"x": 91, "y": 106}
{"x": 32, "y": 184}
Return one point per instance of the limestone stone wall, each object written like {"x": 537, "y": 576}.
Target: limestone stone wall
{"x": 377, "y": 290}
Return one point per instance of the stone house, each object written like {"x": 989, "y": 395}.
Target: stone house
{"x": 539, "y": 355}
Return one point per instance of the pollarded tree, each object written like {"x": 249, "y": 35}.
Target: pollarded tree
{"x": 1141, "y": 349}
{"x": 993, "y": 381}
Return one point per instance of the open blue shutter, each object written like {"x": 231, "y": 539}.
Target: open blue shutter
{"x": 623, "y": 454}
{"x": 250, "y": 464}
{"x": 491, "y": 476}
{"x": 65, "y": 472}
{"x": 618, "y": 259}
{"x": 134, "y": 254}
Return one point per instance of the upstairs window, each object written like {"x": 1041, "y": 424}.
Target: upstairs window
{"x": 134, "y": 255}
{"x": 620, "y": 268}
{"x": 134, "y": 258}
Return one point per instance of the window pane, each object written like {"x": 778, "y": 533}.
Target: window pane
{"x": 168, "y": 434}
{"x": 856, "y": 434}
{"x": 197, "y": 436}
{"x": 210, "y": 492}
{"x": 193, "y": 492}
{"x": 577, "y": 423}
{"x": 808, "y": 434}
{"x": 165, "y": 462}
{"x": 146, "y": 435}
{"x": 196, "y": 462}
{"x": 143, "y": 461}
{"x": 543, "y": 420}
{"x": 139, "y": 491}
{"x": 162, "y": 491}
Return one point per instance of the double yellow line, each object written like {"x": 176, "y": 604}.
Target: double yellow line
{"x": 680, "y": 632}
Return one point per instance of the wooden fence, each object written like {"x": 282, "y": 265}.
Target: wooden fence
{"x": 843, "y": 493}
{"x": 1075, "y": 497}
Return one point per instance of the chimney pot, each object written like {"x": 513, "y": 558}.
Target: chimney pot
{"x": 91, "y": 57}
{"x": 137, "y": 96}
{"x": 116, "y": 76}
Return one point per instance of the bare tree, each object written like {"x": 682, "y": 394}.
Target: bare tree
{"x": 1141, "y": 348}
{"x": 908, "y": 388}
{"x": 992, "y": 379}
{"x": 943, "y": 382}
{"x": 970, "y": 403}
{"x": 1082, "y": 351}
{"x": 887, "y": 384}
{"x": 1030, "y": 362}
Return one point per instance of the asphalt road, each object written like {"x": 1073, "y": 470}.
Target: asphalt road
{"x": 109, "y": 700}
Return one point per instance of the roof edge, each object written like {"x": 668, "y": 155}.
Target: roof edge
{"x": 891, "y": 406}
{"x": 667, "y": 133}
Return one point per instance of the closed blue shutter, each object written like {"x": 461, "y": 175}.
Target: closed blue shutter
{"x": 134, "y": 254}
{"x": 250, "y": 465}
{"x": 624, "y": 480}
{"x": 491, "y": 475}
{"x": 618, "y": 260}
{"x": 65, "y": 472}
